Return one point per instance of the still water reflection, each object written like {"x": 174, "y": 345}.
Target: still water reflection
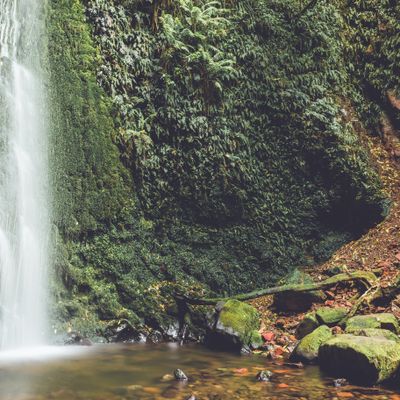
{"x": 128, "y": 372}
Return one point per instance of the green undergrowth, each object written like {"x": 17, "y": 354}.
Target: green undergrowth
{"x": 203, "y": 144}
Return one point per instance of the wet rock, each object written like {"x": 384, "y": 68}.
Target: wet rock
{"x": 308, "y": 347}
{"x": 75, "y": 338}
{"x": 373, "y": 321}
{"x": 330, "y": 316}
{"x": 340, "y": 382}
{"x": 122, "y": 331}
{"x": 171, "y": 332}
{"x": 155, "y": 337}
{"x": 371, "y": 332}
{"x": 180, "y": 375}
{"x": 308, "y": 324}
{"x": 264, "y": 376}
{"x": 297, "y": 301}
{"x": 365, "y": 360}
{"x": 234, "y": 326}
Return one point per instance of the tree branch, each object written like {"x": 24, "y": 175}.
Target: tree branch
{"x": 367, "y": 278}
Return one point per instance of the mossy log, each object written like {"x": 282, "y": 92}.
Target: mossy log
{"x": 365, "y": 277}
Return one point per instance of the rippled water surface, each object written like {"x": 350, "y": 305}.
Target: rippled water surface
{"x": 117, "y": 372}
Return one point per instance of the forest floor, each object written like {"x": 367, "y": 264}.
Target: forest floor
{"x": 377, "y": 250}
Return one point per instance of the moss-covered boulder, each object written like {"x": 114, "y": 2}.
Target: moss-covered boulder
{"x": 330, "y": 316}
{"x": 294, "y": 300}
{"x": 365, "y": 360}
{"x": 380, "y": 333}
{"x": 308, "y": 347}
{"x": 234, "y": 326}
{"x": 373, "y": 321}
{"x": 308, "y": 324}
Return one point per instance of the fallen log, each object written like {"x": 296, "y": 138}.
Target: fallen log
{"x": 365, "y": 277}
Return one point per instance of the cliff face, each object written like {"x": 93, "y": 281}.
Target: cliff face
{"x": 209, "y": 142}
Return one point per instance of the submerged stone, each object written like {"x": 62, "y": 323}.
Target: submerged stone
{"x": 180, "y": 375}
{"x": 330, "y": 316}
{"x": 234, "y": 326}
{"x": 308, "y": 347}
{"x": 374, "y": 321}
{"x": 308, "y": 324}
{"x": 264, "y": 376}
{"x": 366, "y": 360}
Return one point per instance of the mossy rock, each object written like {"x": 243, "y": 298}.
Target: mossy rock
{"x": 371, "y": 332}
{"x": 336, "y": 270}
{"x": 308, "y": 347}
{"x": 365, "y": 360}
{"x": 308, "y": 324}
{"x": 373, "y": 321}
{"x": 294, "y": 300}
{"x": 330, "y": 316}
{"x": 234, "y": 325}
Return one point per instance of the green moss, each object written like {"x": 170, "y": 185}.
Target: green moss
{"x": 307, "y": 325}
{"x": 371, "y": 332}
{"x": 373, "y": 321}
{"x": 242, "y": 319}
{"x": 330, "y": 316}
{"x": 308, "y": 347}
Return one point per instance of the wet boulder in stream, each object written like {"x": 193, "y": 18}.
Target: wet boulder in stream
{"x": 360, "y": 359}
{"x": 233, "y": 326}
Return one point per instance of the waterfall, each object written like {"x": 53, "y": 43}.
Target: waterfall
{"x": 24, "y": 225}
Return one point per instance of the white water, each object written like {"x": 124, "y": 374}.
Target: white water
{"x": 24, "y": 218}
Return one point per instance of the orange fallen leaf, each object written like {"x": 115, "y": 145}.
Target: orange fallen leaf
{"x": 151, "y": 390}
{"x": 268, "y": 336}
{"x": 344, "y": 395}
{"x": 282, "y": 385}
{"x": 282, "y": 371}
{"x": 241, "y": 371}
{"x": 278, "y": 351}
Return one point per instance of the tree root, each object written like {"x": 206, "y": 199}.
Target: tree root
{"x": 365, "y": 277}
{"x": 372, "y": 293}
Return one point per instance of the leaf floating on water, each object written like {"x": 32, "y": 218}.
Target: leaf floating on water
{"x": 282, "y": 385}
{"x": 344, "y": 395}
{"x": 241, "y": 371}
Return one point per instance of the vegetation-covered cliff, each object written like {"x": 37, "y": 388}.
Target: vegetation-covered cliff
{"x": 215, "y": 143}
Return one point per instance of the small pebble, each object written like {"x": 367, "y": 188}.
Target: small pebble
{"x": 180, "y": 375}
{"x": 340, "y": 382}
{"x": 264, "y": 376}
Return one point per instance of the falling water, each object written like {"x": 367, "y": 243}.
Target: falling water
{"x": 23, "y": 176}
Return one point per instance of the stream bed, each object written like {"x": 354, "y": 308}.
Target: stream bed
{"x": 118, "y": 372}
